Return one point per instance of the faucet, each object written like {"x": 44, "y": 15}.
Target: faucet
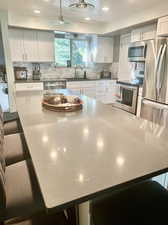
{"x": 75, "y": 68}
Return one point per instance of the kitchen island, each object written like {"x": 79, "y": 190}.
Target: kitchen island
{"x": 81, "y": 155}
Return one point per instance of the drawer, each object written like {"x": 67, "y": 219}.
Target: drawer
{"x": 81, "y": 84}
{"x": 29, "y": 86}
{"x": 101, "y": 83}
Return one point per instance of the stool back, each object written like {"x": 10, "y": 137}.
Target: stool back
{"x": 2, "y": 193}
{"x": 1, "y": 114}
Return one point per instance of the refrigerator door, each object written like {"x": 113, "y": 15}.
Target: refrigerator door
{"x": 155, "y": 112}
{"x": 162, "y": 75}
{"x": 149, "y": 90}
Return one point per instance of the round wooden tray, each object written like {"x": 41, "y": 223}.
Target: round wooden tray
{"x": 62, "y": 107}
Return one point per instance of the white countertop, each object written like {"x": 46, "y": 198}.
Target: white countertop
{"x": 78, "y": 155}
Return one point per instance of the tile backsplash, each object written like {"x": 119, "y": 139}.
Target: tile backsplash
{"x": 48, "y": 70}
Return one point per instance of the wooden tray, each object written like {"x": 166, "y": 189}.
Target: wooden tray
{"x": 64, "y": 107}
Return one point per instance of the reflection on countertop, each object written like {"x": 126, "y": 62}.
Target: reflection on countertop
{"x": 95, "y": 149}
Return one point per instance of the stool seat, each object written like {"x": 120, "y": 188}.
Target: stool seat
{"x": 141, "y": 204}
{"x": 14, "y": 148}
{"x": 22, "y": 193}
{"x": 11, "y": 127}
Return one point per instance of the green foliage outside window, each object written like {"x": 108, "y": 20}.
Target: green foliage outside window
{"x": 70, "y": 50}
{"x": 62, "y": 51}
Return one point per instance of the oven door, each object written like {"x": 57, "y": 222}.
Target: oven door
{"x": 126, "y": 98}
{"x": 137, "y": 52}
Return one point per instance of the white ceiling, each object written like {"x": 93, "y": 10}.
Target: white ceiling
{"x": 50, "y": 9}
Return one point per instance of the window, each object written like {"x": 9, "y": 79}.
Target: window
{"x": 72, "y": 50}
{"x": 62, "y": 51}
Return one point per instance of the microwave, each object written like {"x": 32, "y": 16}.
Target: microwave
{"x": 137, "y": 52}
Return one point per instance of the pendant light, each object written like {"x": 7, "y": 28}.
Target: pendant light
{"x": 61, "y": 20}
{"x": 82, "y": 4}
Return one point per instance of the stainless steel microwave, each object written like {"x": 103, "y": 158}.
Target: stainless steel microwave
{"x": 137, "y": 52}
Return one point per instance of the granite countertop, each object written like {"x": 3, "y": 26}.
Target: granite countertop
{"x": 80, "y": 155}
{"x": 68, "y": 80}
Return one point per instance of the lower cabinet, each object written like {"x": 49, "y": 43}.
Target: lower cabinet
{"x": 103, "y": 91}
{"x": 29, "y": 86}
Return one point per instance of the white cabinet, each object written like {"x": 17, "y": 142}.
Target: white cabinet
{"x": 162, "y": 28}
{"x": 136, "y": 35}
{"x": 31, "y": 45}
{"x": 102, "y": 90}
{"x": 45, "y": 46}
{"x": 144, "y": 33}
{"x": 106, "y": 91}
{"x": 102, "y": 49}
{"x": 124, "y": 70}
{"x": 16, "y": 44}
{"x": 29, "y": 86}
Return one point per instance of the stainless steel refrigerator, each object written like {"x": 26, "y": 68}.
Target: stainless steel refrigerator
{"x": 155, "y": 88}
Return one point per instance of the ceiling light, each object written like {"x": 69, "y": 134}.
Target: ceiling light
{"x": 105, "y": 9}
{"x": 82, "y": 5}
{"x": 37, "y": 11}
{"x": 87, "y": 18}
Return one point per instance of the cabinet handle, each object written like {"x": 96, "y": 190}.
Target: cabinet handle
{"x": 23, "y": 57}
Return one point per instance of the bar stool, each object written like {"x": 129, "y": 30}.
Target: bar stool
{"x": 141, "y": 204}
{"x": 13, "y": 146}
{"x": 15, "y": 149}
{"x": 10, "y": 121}
{"x": 19, "y": 192}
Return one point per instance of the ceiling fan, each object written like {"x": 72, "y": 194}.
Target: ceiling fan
{"x": 82, "y": 4}
{"x": 61, "y": 20}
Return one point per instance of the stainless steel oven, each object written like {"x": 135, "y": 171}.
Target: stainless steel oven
{"x": 137, "y": 52}
{"x": 126, "y": 97}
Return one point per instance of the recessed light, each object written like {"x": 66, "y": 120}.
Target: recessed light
{"x": 87, "y": 18}
{"x": 37, "y": 11}
{"x": 105, "y": 9}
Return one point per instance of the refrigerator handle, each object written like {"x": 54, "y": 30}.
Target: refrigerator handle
{"x": 158, "y": 58}
{"x": 159, "y": 81}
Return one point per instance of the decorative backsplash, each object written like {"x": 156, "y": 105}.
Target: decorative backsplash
{"x": 48, "y": 70}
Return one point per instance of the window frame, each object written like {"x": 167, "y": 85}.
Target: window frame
{"x": 71, "y": 40}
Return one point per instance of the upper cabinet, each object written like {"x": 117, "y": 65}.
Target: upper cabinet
{"x": 16, "y": 45}
{"x": 144, "y": 33}
{"x": 31, "y": 45}
{"x": 162, "y": 28}
{"x": 102, "y": 50}
{"x": 124, "y": 70}
{"x": 45, "y": 46}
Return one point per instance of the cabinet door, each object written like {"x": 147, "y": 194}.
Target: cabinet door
{"x": 136, "y": 35}
{"x": 100, "y": 51}
{"x": 108, "y": 50}
{"x": 162, "y": 29}
{"x": 149, "y": 32}
{"x": 124, "y": 72}
{"x": 30, "y": 46}
{"x": 16, "y": 44}
{"x": 46, "y": 46}
{"x": 90, "y": 92}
